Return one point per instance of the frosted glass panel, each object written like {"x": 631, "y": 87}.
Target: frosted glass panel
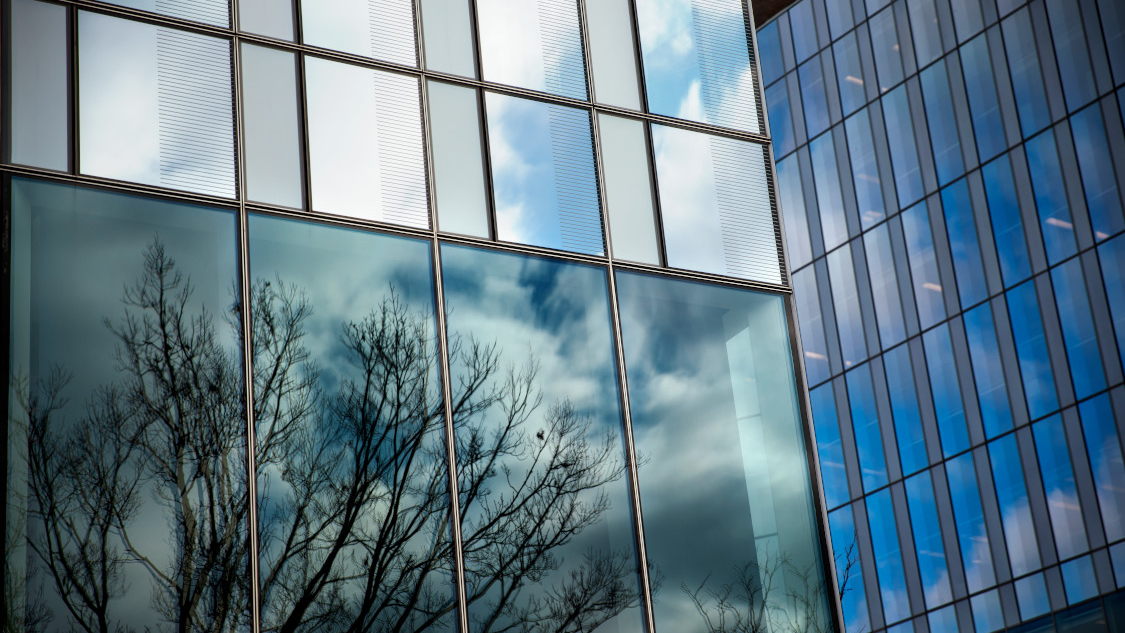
{"x": 613, "y": 53}
{"x": 628, "y": 189}
{"x": 455, "y": 135}
{"x": 270, "y": 122}
{"x": 267, "y": 17}
{"x": 447, "y": 30}
{"x": 38, "y": 124}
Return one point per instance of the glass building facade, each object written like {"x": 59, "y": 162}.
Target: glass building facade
{"x": 400, "y": 315}
{"x": 950, "y": 180}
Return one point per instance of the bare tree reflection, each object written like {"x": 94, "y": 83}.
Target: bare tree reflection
{"x": 352, "y": 480}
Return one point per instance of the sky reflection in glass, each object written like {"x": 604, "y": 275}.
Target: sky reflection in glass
{"x": 1058, "y": 482}
{"x": 534, "y": 45}
{"x": 1015, "y": 509}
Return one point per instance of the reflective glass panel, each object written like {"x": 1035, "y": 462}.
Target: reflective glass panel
{"x": 849, "y": 74}
{"x": 381, "y": 29}
{"x": 904, "y": 152}
{"x": 888, "y": 556}
{"x": 270, "y": 126}
{"x": 924, "y": 27}
{"x": 927, "y": 540}
{"x": 365, "y": 143}
{"x": 546, "y": 519}
{"x": 458, "y": 158}
{"x": 943, "y": 620}
{"x": 267, "y": 17}
{"x": 715, "y": 204}
{"x": 828, "y": 446}
{"x": 967, "y": 18}
{"x": 987, "y": 615}
{"x": 1112, "y": 16}
{"x": 946, "y": 391}
{"x": 37, "y": 67}
{"x": 1023, "y": 64}
{"x": 810, "y": 76}
{"x": 963, "y": 244}
{"x": 126, "y": 476}
{"x": 214, "y": 12}
{"x": 1069, "y": 37}
{"x": 155, "y": 105}
{"x": 841, "y": 524}
{"x": 1112, "y": 257}
{"x": 811, "y": 321}
{"x": 628, "y": 188}
{"x": 839, "y": 17}
{"x": 447, "y": 33}
{"x": 865, "y": 426}
{"x": 804, "y": 29}
{"x": 1031, "y": 349}
{"x": 976, "y": 554}
{"x": 715, "y": 413}
{"x": 1031, "y": 592}
{"x": 1050, "y": 196}
{"x": 613, "y": 53}
{"x": 923, "y": 264}
{"x": 353, "y": 502}
{"x": 1081, "y": 584}
{"x": 544, "y": 184}
{"x": 865, "y": 170}
{"x": 769, "y": 53}
{"x": 943, "y": 127}
{"x": 980, "y": 88}
{"x": 884, "y": 286}
{"x": 1007, "y": 223}
{"x": 826, "y": 176}
{"x": 1058, "y": 482}
{"x": 884, "y": 44}
{"x": 781, "y": 122}
{"x": 988, "y": 372}
{"x": 1078, "y": 329}
{"x": 697, "y": 61}
{"x": 1103, "y": 199}
{"x": 536, "y": 45}
{"x": 1104, "y": 447}
{"x": 845, "y": 300}
{"x": 1015, "y": 512}
{"x": 904, "y": 409}
{"x": 793, "y": 212}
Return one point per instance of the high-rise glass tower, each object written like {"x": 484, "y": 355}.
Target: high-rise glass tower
{"x": 399, "y": 315}
{"x": 950, "y": 177}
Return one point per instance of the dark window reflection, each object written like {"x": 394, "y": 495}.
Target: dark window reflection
{"x": 352, "y": 478}
{"x": 723, "y": 475}
{"x": 126, "y": 480}
{"x": 545, "y": 511}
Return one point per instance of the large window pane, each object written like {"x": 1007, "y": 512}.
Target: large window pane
{"x": 382, "y": 29}
{"x": 1007, "y": 223}
{"x": 458, "y": 158}
{"x": 781, "y": 122}
{"x": 884, "y": 286}
{"x": 904, "y": 152}
{"x": 534, "y": 45}
{"x": 885, "y": 46}
{"x": 849, "y": 74}
{"x": 613, "y": 53}
{"x": 1050, "y": 197}
{"x": 865, "y": 170}
{"x": 826, "y": 177}
{"x": 852, "y": 599}
{"x": 1103, "y": 197}
{"x": 946, "y": 390}
{"x": 1015, "y": 511}
{"x": 1027, "y": 81}
{"x": 1111, "y": 254}
{"x": 353, "y": 503}
{"x": 964, "y": 493}
{"x": 810, "y": 77}
{"x": 724, "y": 484}
{"x": 811, "y": 322}
{"x": 270, "y": 126}
{"x": 865, "y": 426}
{"x": 365, "y": 143}
{"x": 1031, "y": 350}
{"x": 1069, "y": 36}
{"x": 924, "y": 26}
{"x": 940, "y": 117}
{"x": 968, "y": 18}
{"x": 845, "y": 299}
{"x": 155, "y": 105}
{"x": 888, "y": 556}
{"x": 828, "y": 446}
{"x": 214, "y": 12}
{"x": 1062, "y": 492}
{"x": 544, "y": 183}
{"x": 792, "y": 202}
{"x": 447, "y": 28}
{"x": 988, "y": 372}
{"x": 927, "y": 540}
{"x": 545, "y": 514}
{"x": 1104, "y": 447}
{"x": 984, "y": 104}
{"x": 37, "y": 122}
{"x": 715, "y": 203}
{"x": 126, "y": 474}
{"x": 697, "y": 62}
{"x": 904, "y": 409}
{"x": 1077, "y": 323}
{"x": 963, "y": 243}
{"x": 628, "y": 184}
{"x": 267, "y": 17}
{"x": 923, "y": 264}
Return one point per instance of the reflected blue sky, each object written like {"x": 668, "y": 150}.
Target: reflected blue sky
{"x": 534, "y": 45}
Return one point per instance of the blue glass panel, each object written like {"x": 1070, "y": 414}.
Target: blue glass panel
{"x": 1112, "y": 257}
{"x": 781, "y": 122}
{"x": 1031, "y": 349}
{"x": 980, "y": 87}
{"x": 1117, "y": 557}
{"x": 1070, "y": 50}
{"x": 923, "y": 264}
{"x": 849, "y": 74}
{"x": 875, "y": 5}
{"x": 697, "y": 62}
{"x": 987, "y": 615}
{"x": 944, "y": 621}
{"x": 845, "y": 299}
{"x": 810, "y": 75}
{"x": 976, "y": 553}
{"x": 1031, "y": 593}
{"x": 884, "y": 286}
{"x": 888, "y": 556}
{"x": 810, "y": 320}
{"x": 865, "y": 426}
{"x": 927, "y": 540}
{"x": 804, "y": 30}
{"x": 1007, "y": 224}
{"x": 827, "y": 179}
{"x": 963, "y": 243}
{"x": 967, "y": 18}
{"x": 839, "y": 17}
{"x": 1112, "y": 15}
{"x": 727, "y": 498}
{"x": 865, "y": 170}
{"x": 988, "y": 372}
{"x": 769, "y": 55}
{"x": 1023, "y": 64}
{"x": 828, "y": 446}
{"x": 885, "y": 46}
{"x": 544, "y": 183}
{"x": 1050, "y": 197}
{"x": 539, "y": 407}
{"x": 943, "y": 127}
{"x": 947, "y": 393}
{"x": 792, "y": 205}
{"x": 1078, "y": 329}
{"x": 1081, "y": 583}
{"x": 849, "y": 572}
{"x": 1015, "y": 512}
{"x": 1104, "y": 448}
{"x": 904, "y": 409}
{"x": 1058, "y": 483}
{"x": 1103, "y": 199}
{"x": 924, "y": 27}
{"x": 904, "y": 153}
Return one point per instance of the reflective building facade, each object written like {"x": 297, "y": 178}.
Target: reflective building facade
{"x": 950, "y": 179}
{"x": 397, "y": 315}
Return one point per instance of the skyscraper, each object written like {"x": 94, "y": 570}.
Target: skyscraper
{"x": 950, "y": 176}
{"x": 399, "y": 315}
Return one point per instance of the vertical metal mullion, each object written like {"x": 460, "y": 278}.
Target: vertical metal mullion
{"x": 6, "y": 326}
{"x": 584, "y": 42}
{"x": 450, "y": 443}
{"x": 419, "y": 36}
{"x": 486, "y": 153}
{"x": 72, "y": 70}
{"x": 247, "y": 345}
{"x": 6, "y": 90}
{"x": 428, "y": 153}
